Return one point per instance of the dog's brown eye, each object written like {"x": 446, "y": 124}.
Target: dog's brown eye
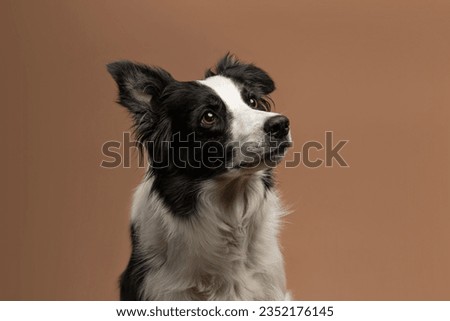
{"x": 208, "y": 119}
{"x": 253, "y": 102}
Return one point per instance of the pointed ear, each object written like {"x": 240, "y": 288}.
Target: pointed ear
{"x": 138, "y": 84}
{"x": 244, "y": 73}
{"x": 227, "y": 62}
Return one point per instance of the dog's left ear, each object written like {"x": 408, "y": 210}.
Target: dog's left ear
{"x": 244, "y": 73}
{"x": 139, "y": 85}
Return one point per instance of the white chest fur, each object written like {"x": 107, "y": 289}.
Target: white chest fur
{"x": 227, "y": 251}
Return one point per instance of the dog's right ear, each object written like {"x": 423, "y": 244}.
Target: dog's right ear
{"x": 139, "y": 85}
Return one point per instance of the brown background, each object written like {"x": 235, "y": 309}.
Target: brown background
{"x": 374, "y": 72}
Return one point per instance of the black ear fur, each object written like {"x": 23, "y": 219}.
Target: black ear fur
{"x": 140, "y": 88}
{"x": 138, "y": 84}
{"x": 246, "y": 74}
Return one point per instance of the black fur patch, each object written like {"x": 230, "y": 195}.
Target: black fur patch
{"x": 190, "y": 157}
{"x": 248, "y": 75}
{"x": 132, "y": 277}
{"x": 268, "y": 179}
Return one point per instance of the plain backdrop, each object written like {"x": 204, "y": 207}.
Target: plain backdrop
{"x": 376, "y": 73}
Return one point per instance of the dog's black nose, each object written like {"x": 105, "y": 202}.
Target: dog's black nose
{"x": 277, "y": 126}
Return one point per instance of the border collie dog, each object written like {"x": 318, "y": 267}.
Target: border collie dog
{"x": 205, "y": 219}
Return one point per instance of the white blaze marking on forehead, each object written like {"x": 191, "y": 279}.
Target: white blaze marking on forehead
{"x": 247, "y": 123}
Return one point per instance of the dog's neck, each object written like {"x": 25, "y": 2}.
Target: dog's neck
{"x": 226, "y": 239}
{"x": 181, "y": 192}
{"x": 232, "y": 199}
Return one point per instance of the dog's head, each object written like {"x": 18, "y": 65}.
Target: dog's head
{"x": 219, "y": 124}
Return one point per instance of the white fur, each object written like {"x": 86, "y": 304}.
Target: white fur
{"x": 247, "y": 123}
{"x": 228, "y": 251}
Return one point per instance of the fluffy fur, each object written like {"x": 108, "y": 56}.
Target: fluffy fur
{"x": 205, "y": 219}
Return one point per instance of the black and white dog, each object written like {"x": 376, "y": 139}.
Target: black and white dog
{"x": 205, "y": 219}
